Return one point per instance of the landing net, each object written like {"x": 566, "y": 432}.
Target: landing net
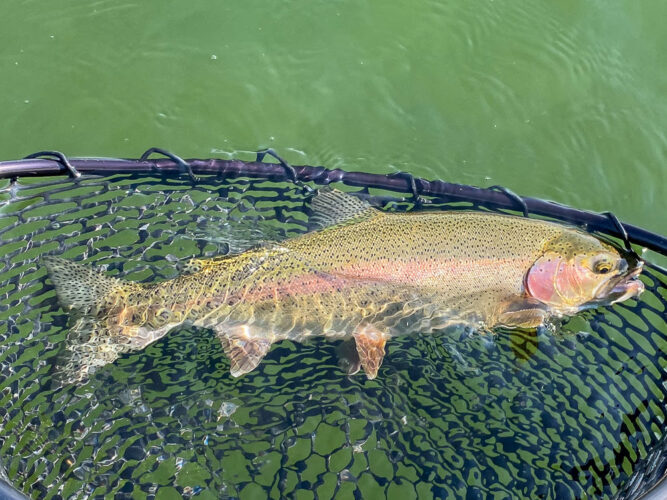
{"x": 568, "y": 415}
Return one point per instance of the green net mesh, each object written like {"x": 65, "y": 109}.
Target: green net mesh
{"x": 548, "y": 415}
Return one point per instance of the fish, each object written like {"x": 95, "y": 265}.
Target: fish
{"x": 361, "y": 275}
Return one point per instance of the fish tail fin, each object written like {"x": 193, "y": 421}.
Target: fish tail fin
{"x": 80, "y": 288}
{"x": 98, "y": 334}
{"x": 89, "y": 347}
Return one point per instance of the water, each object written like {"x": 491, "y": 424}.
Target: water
{"x": 563, "y": 101}
{"x": 563, "y": 413}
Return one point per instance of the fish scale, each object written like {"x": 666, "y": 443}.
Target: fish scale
{"x": 361, "y": 274}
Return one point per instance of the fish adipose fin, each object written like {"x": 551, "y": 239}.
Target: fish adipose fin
{"x": 190, "y": 266}
{"x": 196, "y": 265}
{"x": 370, "y": 347}
{"x": 331, "y": 207}
{"x": 245, "y": 346}
{"x": 79, "y": 288}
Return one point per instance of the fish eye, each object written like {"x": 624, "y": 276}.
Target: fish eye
{"x": 601, "y": 267}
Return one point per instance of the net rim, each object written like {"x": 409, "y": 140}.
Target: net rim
{"x": 54, "y": 163}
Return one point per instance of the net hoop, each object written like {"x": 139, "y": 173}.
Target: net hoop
{"x": 403, "y": 182}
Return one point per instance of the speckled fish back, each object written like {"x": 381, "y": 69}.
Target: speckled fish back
{"x": 381, "y": 268}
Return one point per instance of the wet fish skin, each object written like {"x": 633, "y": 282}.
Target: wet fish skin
{"x": 364, "y": 274}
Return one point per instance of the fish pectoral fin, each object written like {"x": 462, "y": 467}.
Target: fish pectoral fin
{"x": 245, "y": 346}
{"x": 370, "y": 347}
{"x": 522, "y": 313}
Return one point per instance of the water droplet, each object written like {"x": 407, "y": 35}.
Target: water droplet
{"x": 227, "y": 409}
{"x": 346, "y": 475}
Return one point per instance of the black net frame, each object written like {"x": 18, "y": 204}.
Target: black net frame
{"x": 401, "y": 182}
{"x": 268, "y": 204}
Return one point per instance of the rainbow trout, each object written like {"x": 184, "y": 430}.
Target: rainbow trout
{"x": 363, "y": 275}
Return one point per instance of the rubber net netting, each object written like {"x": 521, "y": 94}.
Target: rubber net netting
{"x": 568, "y": 414}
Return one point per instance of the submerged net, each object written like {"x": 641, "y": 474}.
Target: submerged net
{"x": 548, "y": 415}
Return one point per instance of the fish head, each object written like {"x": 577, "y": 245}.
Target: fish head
{"x": 578, "y": 271}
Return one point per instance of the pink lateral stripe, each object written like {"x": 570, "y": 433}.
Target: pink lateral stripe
{"x": 378, "y": 271}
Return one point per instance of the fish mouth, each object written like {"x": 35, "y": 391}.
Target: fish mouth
{"x": 625, "y": 287}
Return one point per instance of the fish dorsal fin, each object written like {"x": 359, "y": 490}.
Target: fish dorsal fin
{"x": 332, "y": 207}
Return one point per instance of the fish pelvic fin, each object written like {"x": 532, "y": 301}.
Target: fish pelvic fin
{"x": 331, "y": 207}
{"x": 245, "y": 346}
{"x": 80, "y": 288}
{"x": 370, "y": 347}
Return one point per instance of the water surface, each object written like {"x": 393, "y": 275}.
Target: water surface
{"x": 559, "y": 100}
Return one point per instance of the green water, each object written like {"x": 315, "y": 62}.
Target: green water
{"x": 562, "y": 100}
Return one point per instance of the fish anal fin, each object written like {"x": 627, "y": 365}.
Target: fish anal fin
{"x": 245, "y": 347}
{"x": 522, "y": 313}
{"x": 331, "y": 207}
{"x": 370, "y": 347}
